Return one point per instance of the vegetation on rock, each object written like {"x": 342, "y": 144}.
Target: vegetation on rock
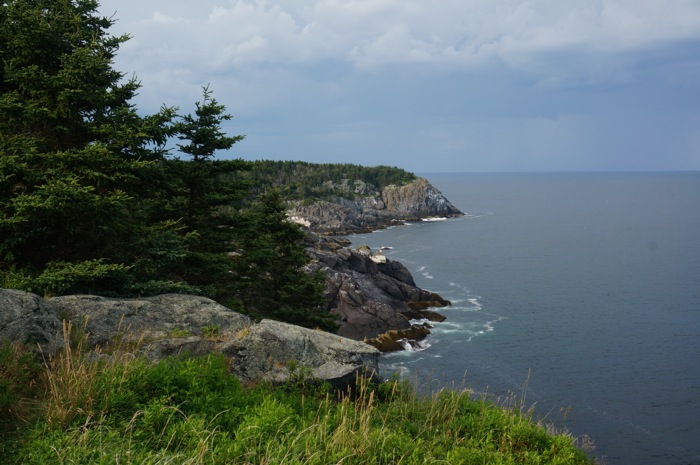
{"x": 302, "y": 181}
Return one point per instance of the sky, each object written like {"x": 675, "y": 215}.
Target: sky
{"x": 431, "y": 86}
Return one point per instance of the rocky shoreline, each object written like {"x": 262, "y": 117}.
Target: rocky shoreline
{"x": 376, "y": 300}
{"x": 360, "y": 208}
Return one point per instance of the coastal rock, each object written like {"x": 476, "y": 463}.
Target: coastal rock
{"x": 399, "y": 339}
{"x": 275, "y": 351}
{"x": 173, "y": 324}
{"x": 372, "y": 209}
{"x": 370, "y": 298}
{"x": 26, "y": 319}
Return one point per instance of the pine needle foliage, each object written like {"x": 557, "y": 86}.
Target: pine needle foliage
{"x": 93, "y": 201}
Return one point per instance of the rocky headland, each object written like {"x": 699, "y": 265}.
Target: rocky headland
{"x": 357, "y": 207}
{"x": 375, "y": 298}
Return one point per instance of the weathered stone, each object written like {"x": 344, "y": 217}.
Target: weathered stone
{"x": 194, "y": 346}
{"x": 149, "y": 318}
{"x": 26, "y": 319}
{"x": 173, "y": 324}
{"x": 274, "y": 351}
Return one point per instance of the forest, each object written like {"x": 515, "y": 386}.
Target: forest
{"x": 309, "y": 182}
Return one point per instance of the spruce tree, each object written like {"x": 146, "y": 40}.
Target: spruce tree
{"x": 270, "y": 273}
{"x": 77, "y": 163}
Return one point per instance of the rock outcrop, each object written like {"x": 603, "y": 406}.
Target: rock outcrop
{"x": 167, "y": 325}
{"x": 364, "y": 208}
{"x": 148, "y": 318}
{"x": 27, "y": 319}
{"x": 275, "y": 351}
{"x": 371, "y": 294}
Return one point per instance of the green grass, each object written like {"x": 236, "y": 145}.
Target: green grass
{"x": 123, "y": 410}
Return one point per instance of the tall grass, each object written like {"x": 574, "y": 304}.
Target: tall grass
{"x": 125, "y": 410}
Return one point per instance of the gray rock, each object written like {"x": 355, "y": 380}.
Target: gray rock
{"x": 26, "y": 319}
{"x": 267, "y": 350}
{"x": 149, "y": 317}
{"x": 194, "y": 346}
{"x": 369, "y": 298}
{"x": 374, "y": 210}
{"x": 174, "y": 324}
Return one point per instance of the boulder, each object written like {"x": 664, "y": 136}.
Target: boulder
{"x": 26, "y": 319}
{"x": 172, "y": 324}
{"x": 276, "y": 352}
{"x": 148, "y": 318}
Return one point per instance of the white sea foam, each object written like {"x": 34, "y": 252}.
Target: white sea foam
{"x": 434, "y": 219}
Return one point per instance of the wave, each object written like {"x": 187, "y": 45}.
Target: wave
{"x": 414, "y": 346}
{"x": 433, "y": 218}
{"x": 477, "y": 215}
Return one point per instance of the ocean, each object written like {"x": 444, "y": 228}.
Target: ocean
{"x": 576, "y": 294}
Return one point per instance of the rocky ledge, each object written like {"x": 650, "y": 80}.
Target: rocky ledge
{"x": 359, "y": 207}
{"x": 166, "y": 325}
{"x": 376, "y": 298}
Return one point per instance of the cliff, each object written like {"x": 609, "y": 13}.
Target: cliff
{"x": 374, "y": 297}
{"x": 357, "y": 206}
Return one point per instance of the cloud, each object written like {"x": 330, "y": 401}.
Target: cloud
{"x": 428, "y": 84}
{"x": 369, "y": 33}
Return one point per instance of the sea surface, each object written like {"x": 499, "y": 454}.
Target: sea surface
{"x": 577, "y": 295}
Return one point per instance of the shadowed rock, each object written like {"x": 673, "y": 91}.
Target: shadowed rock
{"x": 26, "y": 319}
{"x": 370, "y": 298}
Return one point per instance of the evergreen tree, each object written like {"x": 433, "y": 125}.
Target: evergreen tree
{"x": 89, "y": 202}
{"x": 77, "y": 163}
{"x": 207, "y": 187}
{"x": 270, "y": 273}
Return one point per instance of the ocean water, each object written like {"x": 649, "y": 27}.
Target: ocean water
{"x": 579, "y": 293}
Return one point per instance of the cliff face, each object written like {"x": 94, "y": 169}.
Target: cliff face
{"x": 364, "y": 208}
{"x": 374, "y": 297}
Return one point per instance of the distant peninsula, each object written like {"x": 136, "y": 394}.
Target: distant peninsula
{"x": 341, "y": 199}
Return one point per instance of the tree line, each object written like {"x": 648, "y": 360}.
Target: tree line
{"x": 303, "y": 181}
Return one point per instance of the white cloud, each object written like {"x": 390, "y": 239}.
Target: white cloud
{"x": 453, "y": 32}
{"x": 346, "y": 79}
